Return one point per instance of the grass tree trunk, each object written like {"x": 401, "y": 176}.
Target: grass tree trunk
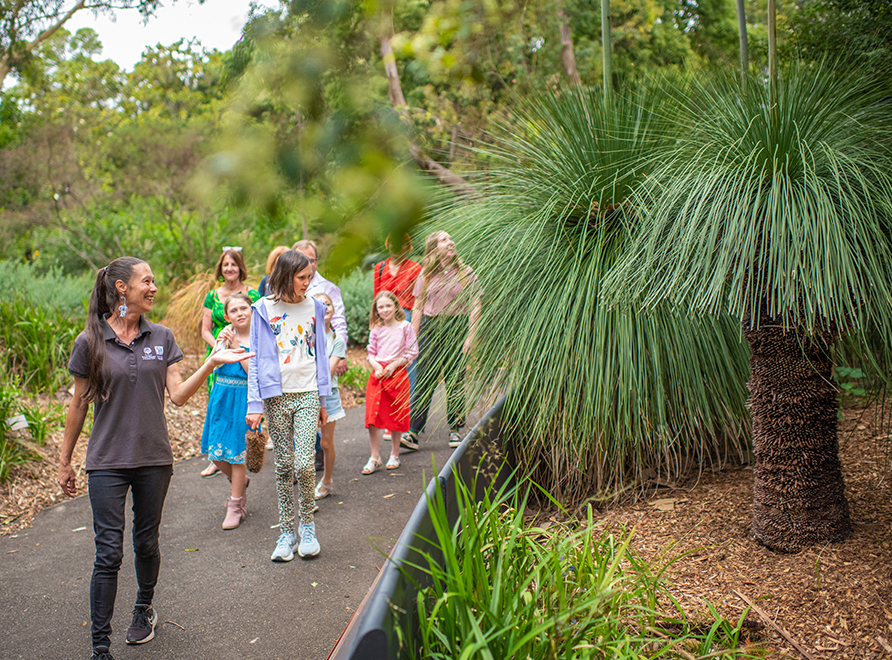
{"x": 798, "y": 490}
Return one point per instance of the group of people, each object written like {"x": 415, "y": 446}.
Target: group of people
{"x": 273, "y": 358}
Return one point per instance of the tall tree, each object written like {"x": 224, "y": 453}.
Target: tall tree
{"x": 777, "y": 208}
{"x": 25, "y": 24}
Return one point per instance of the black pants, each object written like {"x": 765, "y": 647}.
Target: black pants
{"x": 108, "y": 496}
{"x": 440, "y": 342}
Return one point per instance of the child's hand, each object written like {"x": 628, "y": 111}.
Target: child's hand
{"x": 379, "y": 374}
{"x": 226, "y": 336}
{"x": 388, "y": 370}
{"x": 253, "y": 420}
{"x": 323, "y": 417}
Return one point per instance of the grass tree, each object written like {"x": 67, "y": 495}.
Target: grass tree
{"x": 600, "y": 398}
{"x": 779, "y": 214}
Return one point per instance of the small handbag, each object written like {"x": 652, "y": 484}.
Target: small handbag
{"x": 255, "y": 450}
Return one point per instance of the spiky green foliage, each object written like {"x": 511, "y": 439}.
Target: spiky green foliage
{"x": 791, "y": 204}
{"x": 600, "y": 397}
{"x": 776, "y": 207}
{"x": 509, "y": 588}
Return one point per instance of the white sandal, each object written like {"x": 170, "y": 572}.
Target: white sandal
{"x": 323, "y": 490}
{"x": 393, "y": 463}
{"x": 373, "y": 465}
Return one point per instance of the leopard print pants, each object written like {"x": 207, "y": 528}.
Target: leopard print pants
{"x": 292, "y": 420}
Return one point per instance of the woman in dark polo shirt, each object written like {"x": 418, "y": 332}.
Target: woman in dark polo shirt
{"x": 122, "y": 363}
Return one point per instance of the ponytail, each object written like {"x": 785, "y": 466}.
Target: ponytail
{"x": 102, "y": 301}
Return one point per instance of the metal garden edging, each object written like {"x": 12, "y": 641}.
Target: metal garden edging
{"x": 390, "y": 603}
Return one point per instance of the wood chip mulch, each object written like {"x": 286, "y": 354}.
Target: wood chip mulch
{"x": 833, "y": 601}
{"x": 825, "y": 602}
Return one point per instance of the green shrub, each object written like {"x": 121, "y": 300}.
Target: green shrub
{"x": 506, "y": 588}
{"x": 35, "y": 343}
{"x": 357, "y": 291}
{"x": 356, "y": 377}
{"x": 51, "y": 289}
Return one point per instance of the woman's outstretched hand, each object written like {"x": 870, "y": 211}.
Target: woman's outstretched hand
{"x": 228, "y": 355}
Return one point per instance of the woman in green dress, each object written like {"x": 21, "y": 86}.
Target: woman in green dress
{"x": 232, "y": 272}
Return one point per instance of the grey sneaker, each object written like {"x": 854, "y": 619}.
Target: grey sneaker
{"x": 285, "y": 547}
{"x": 409, "y": 440}
{"x": 454, "y": 438}
{"x": 142, "y": 628}
{"x": 309, "y": 546}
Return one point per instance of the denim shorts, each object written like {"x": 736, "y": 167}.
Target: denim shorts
{"x": 333, "y": 406}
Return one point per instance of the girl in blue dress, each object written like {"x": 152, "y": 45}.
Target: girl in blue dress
{"x": 223, "y": 438}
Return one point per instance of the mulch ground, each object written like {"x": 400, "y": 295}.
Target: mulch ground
{"x": 825, "y": 602}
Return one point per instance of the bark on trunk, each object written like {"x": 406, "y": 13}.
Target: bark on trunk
{"x": 395, "y": 89}
{"x": 798, "y": 491}
{"x": 567, "y": 56}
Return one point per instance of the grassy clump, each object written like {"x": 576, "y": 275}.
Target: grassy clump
{"x": 35, "y": 343}
{"x": 507, "y": 589}
{"x": 601, "y": 397}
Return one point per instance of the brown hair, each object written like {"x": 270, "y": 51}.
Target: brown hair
{"x": 238, "y": 295}
{"x": 273, "y": 257}
{"x": 239, "y": 261}
{"x": 407, "y": 243}
{"x": 374, "y": 319}
{"x": 281, "y": 282}
{"x": 102, "y": 302}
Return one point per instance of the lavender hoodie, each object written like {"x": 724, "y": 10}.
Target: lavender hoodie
{"x": 264, "y": 375}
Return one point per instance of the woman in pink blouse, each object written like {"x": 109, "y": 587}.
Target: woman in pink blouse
{"x": 447, "y": 308}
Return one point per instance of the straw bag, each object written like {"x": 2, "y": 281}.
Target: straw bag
{"x": 255, "y": 445}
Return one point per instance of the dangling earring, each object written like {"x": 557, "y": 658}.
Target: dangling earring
{"x": 122, "y": 308}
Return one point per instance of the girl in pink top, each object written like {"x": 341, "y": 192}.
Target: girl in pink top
{"x": 392, "y": 345}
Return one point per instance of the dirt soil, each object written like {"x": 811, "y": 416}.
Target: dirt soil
{"x": 825, "y": 602}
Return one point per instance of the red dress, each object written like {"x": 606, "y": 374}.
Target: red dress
{"x": 387, "y": 401}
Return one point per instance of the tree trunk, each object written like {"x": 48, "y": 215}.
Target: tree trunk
{"x": 444, "y": 174}
{"x": 798, "y": 491}
{"x": 567, "y": 55}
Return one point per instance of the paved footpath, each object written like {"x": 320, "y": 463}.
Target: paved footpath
{"x": 219, "y": 595}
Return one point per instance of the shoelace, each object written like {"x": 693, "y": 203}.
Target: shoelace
{"x": 141, "y": 618}
{"x": 307, "y": 535}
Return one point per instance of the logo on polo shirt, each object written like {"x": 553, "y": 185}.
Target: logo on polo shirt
{"x": 148, "y": 355}
{"x": 159, "y": 350}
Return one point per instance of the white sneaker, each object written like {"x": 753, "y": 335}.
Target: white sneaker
{"x": 309, "y": 546}
{"x": 285, "y": 547}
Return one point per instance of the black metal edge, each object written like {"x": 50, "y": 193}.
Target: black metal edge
{"x": 370, "y": 634}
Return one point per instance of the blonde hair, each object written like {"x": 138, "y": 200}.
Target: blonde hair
{"x": 375, "y": 320}
{"x": 331, "y": 302}
{"x": 274, "y": 257}
{"x": 432, "y": 266}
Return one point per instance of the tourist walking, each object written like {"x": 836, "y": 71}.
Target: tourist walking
{"x": 289, "y": 383}
{"x": 232, "y": 272}
{"x": 392, "y": 346}
{"x": 446, "y": 313}
{"x": 337, "y": 351}
{"x": 223, "y": 436}
{"x": 397, "y": 274}
{"x": 122, "y": 364}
